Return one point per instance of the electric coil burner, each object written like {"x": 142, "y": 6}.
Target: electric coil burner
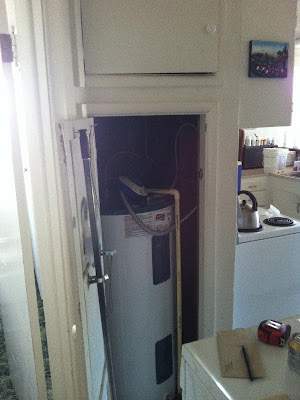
{"x": 279, "y": 221}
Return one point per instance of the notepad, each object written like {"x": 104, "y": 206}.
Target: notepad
{"x": 232, "y": 361}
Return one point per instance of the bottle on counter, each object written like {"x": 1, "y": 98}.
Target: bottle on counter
{"x": 247, "y": 141}
{"x": 257, "y": 141}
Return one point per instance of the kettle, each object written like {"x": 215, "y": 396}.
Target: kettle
{"x": 247, "y": 214}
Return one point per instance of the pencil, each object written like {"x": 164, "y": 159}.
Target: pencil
{"x": 249, "y": 369}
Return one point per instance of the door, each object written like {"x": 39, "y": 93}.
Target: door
{"x": 77, "y": 151}
{"x": 21, "y": 357}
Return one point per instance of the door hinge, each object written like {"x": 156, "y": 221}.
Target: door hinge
{"x": 6, "y": 47}
{"x": 200, "y": 173}
{"x": 95, "y": 279}
{"x": 14, "y": 47}
{"x": 107, "y": 252}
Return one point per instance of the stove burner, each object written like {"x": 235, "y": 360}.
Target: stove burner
{"x": 279, "y": 221}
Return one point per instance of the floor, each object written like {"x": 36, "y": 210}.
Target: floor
{"x": 6, "y": 387}
{"x": 7, "y": 391}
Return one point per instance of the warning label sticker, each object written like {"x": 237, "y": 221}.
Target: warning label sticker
{"x": 158, "y": 221}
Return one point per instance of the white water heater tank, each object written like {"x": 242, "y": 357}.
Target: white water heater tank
{"x": 141, "y": 297}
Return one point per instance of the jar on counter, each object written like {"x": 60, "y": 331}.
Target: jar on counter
{"x": 296, "y": 167}
{"x": 294, "y": 352}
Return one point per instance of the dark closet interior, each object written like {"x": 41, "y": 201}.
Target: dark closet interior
{"x": 157, "y": 152}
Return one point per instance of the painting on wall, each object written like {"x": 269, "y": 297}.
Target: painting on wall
{"x": 268, "y": 59}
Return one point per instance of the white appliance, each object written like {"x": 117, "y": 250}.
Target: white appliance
{"x": 267, "y": 274}
{"x": 141, "y": 301}
{"x": 201, "y": 374}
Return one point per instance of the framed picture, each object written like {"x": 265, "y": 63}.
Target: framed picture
{"x": 268, "y": 59}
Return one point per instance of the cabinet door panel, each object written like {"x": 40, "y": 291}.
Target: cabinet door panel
{"x": 150, "y": 37}
{"x": 288, "y": 203}
{"x": 266, "y": 280}
{"x": 255, "y": 183}
{"x": 195, "y": 390}
{"x": 259, "y": 186}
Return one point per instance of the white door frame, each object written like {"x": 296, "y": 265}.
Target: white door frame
{"x": 207, "y": 190}
{"x": 26, "y": 249}
{"x": 54, "y": 248}
{"x": 57, "y": 98}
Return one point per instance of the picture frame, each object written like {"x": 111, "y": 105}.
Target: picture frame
{"x": 268, "y": 59}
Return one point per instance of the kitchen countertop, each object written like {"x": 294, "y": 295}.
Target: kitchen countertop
{"x": 287, "y": 174}
{"x": 202, "y": 357}
{"x": 252, "y": 172}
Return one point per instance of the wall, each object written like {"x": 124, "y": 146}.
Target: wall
{"x": 222, "y": 98}
{"x": 17, "y": 283}
{"x": 237, "y": 101}
{"x": 217, "y": 97}
{"x": 285, "y": 136}
{"x": 66, "y": 352}
{"x": 266, "y": 102}
{"x": 13, "y": 295}
{"x": 237, "y": 96}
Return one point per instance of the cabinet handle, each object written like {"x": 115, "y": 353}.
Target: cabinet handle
{"x": 252, "y": 186}
{"x": 298, "y": 207}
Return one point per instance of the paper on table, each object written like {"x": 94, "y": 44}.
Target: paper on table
{"x": 231, "y": 356}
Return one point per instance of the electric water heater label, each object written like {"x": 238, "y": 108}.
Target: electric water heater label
{"x": 158, "y": 221}
{"x": 163, "y": 219}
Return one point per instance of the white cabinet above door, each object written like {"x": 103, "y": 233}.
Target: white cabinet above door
{"x": 150, "y": 37}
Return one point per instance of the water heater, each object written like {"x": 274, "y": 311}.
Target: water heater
{"x": 141, "y": 300}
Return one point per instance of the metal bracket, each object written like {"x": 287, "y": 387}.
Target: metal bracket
{"x": 107, "y": 252}
{"x": 95, "y": 279}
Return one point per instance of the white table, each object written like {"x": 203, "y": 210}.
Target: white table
{"x": 201, "y": 376}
